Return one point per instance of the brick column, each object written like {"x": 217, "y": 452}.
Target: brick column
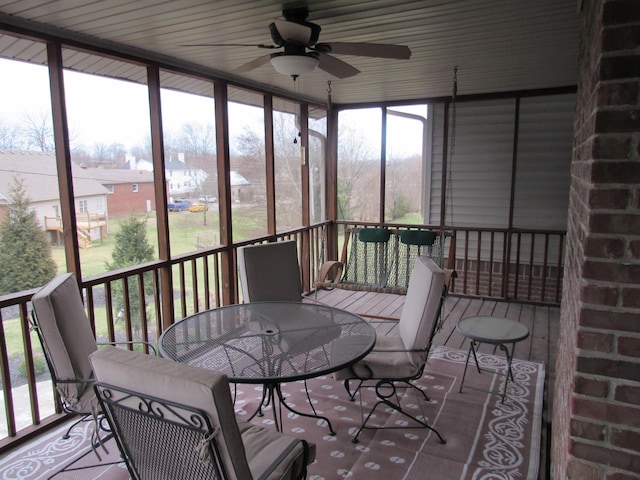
{"x": 596, "y": 418}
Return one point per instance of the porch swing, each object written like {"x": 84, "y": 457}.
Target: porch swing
{"x": 380, "y": 259}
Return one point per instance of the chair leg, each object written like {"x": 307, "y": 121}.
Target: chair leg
{"x": 384, "y": 400}
{"x": 352, "y": 395}
{"x": 93, "y": 449}
{"x": 83, "y": 418}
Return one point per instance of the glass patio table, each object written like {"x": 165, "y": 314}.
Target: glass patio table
{"x": 270, "y": 343}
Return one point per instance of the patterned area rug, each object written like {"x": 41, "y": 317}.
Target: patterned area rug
{"x": 485, "y": 439}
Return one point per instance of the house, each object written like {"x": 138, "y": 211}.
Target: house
{"x": 130, "y": 191}
{"x": 514, "y": 49}
{"x": 183, "y": 179}
{"x": 38, "y": 171}
{"x": 240, "y": 188}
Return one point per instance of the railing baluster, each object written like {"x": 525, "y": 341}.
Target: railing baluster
{"x": 478, "y": 262}
{"x": 530, "y": 283}
{"x": 194, "y": 285}
{"x": 108, "y": 299}
{"x": 127, "y": 308}
{"x": 465, "y": 261}
{"x": 156, "y": 302}
{"x": 559, "y": 267}
{"x": 205, "y": 270}
{"x": 491, "y": 252}
{"x": 5, "y": 374}
{"x": 28, "y": 360}
{"x": 544, "y": 267}
{"x": 143, "y": 310}
{"x": 183, "y": 290}
{"x": 517, "y": 274}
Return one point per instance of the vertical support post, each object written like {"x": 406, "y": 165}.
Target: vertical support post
{"x": 160, "y": 192}
{"x": 63, "y": 159}
{"x": 229, "y": 280}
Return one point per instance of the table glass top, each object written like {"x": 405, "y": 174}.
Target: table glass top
{"x": 269, "y": 341}
{"x": 493, "y": 329}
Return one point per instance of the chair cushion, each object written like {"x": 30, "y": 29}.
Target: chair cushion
{"x": 274, "y": 455}
{"x": 199, "y": 388}
{"x": 68, "y": 338}
{"x": 418, "y": 237}
{"x": 422, "y": 304}
{"x": 270, "y": 272}
{"x": 402, "y": 356}
{"x": 248, "y": 451}
{"x": 387, "y": 360}
{"x": 372, "y": 234}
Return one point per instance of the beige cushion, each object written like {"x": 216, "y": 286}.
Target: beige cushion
{"x": 392, "y": 356}
{"x": 270, "y": 272}
{"x": 208, "y": 391}
{"x": 388, "y": 360}
{"x": 421, "y": 307}
{"x": 68, "y": 339}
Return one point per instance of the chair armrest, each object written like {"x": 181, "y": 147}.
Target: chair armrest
{"x": 134, "y": 342}
{"x": 330, "y": 272}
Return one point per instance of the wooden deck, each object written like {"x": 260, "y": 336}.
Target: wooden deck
{"x": 539, "y": 347}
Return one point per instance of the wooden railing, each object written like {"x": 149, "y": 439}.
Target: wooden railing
{"x": 197, "y": 284}
{"x": 520, "y": 265}
{"x": 523, "y": 265}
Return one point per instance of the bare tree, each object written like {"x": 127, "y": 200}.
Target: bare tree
{"x": 38, "y": 131}
{"x": 10, "y": 137}
{"x": 358, "y": 177}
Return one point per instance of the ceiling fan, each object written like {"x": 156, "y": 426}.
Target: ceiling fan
{"x": 302, "y": 53}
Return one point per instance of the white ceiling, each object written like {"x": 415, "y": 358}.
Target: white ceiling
{"x": 497, "y": 45}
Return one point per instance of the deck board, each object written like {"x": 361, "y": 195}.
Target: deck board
{"x": 540, "y": 347}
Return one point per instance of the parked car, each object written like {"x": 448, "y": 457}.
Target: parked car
{"x": 208, "y": 199}
{"x": 179, "y": 205}
{"x": 197, "y": 207}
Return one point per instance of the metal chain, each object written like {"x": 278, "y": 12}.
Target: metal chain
{"x": 452, "y": 150}
{"x": 452, "y": 142}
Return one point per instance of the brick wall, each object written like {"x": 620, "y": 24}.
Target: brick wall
{"x": 124, "y": 200}
{"x": 596, "y": 418}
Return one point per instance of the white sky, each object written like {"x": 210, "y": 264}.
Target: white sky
{"x": 119, "y": 113}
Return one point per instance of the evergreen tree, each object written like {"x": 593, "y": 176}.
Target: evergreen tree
{"x": 25, "y": 252}
{"x": 131, "y": 248}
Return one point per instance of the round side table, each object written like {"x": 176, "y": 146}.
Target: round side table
{"x": 496, "y": 331}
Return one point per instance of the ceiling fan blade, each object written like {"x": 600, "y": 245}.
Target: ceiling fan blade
{"x": 258, "y": 62}
{"x": 379, "y": 50}
{"x": 336, "y": 67}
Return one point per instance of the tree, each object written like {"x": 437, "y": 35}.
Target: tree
{"x": 38, "y": 130}
{"x": 25, "y": 252}
{"x": 131, "y": 248}
{"x": 10, "y": 138}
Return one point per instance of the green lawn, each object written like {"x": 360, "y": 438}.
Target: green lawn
{"x": 184, "y": 228}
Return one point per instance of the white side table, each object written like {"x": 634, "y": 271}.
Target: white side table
{"x": 496, "y": 331}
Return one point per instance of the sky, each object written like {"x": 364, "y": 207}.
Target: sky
{"x": 120, "y": 113}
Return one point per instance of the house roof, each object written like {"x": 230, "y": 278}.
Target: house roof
{"x": 39, "y": 172}
{"x": 497, "y": 45}
{"x": 238, "y": 180}
{"x": 112, "y": 176}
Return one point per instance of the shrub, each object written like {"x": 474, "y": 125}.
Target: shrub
{"x": 39, "y": 366}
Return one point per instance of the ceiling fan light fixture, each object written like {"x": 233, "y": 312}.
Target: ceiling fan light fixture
{"x": 294, "y": 65}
